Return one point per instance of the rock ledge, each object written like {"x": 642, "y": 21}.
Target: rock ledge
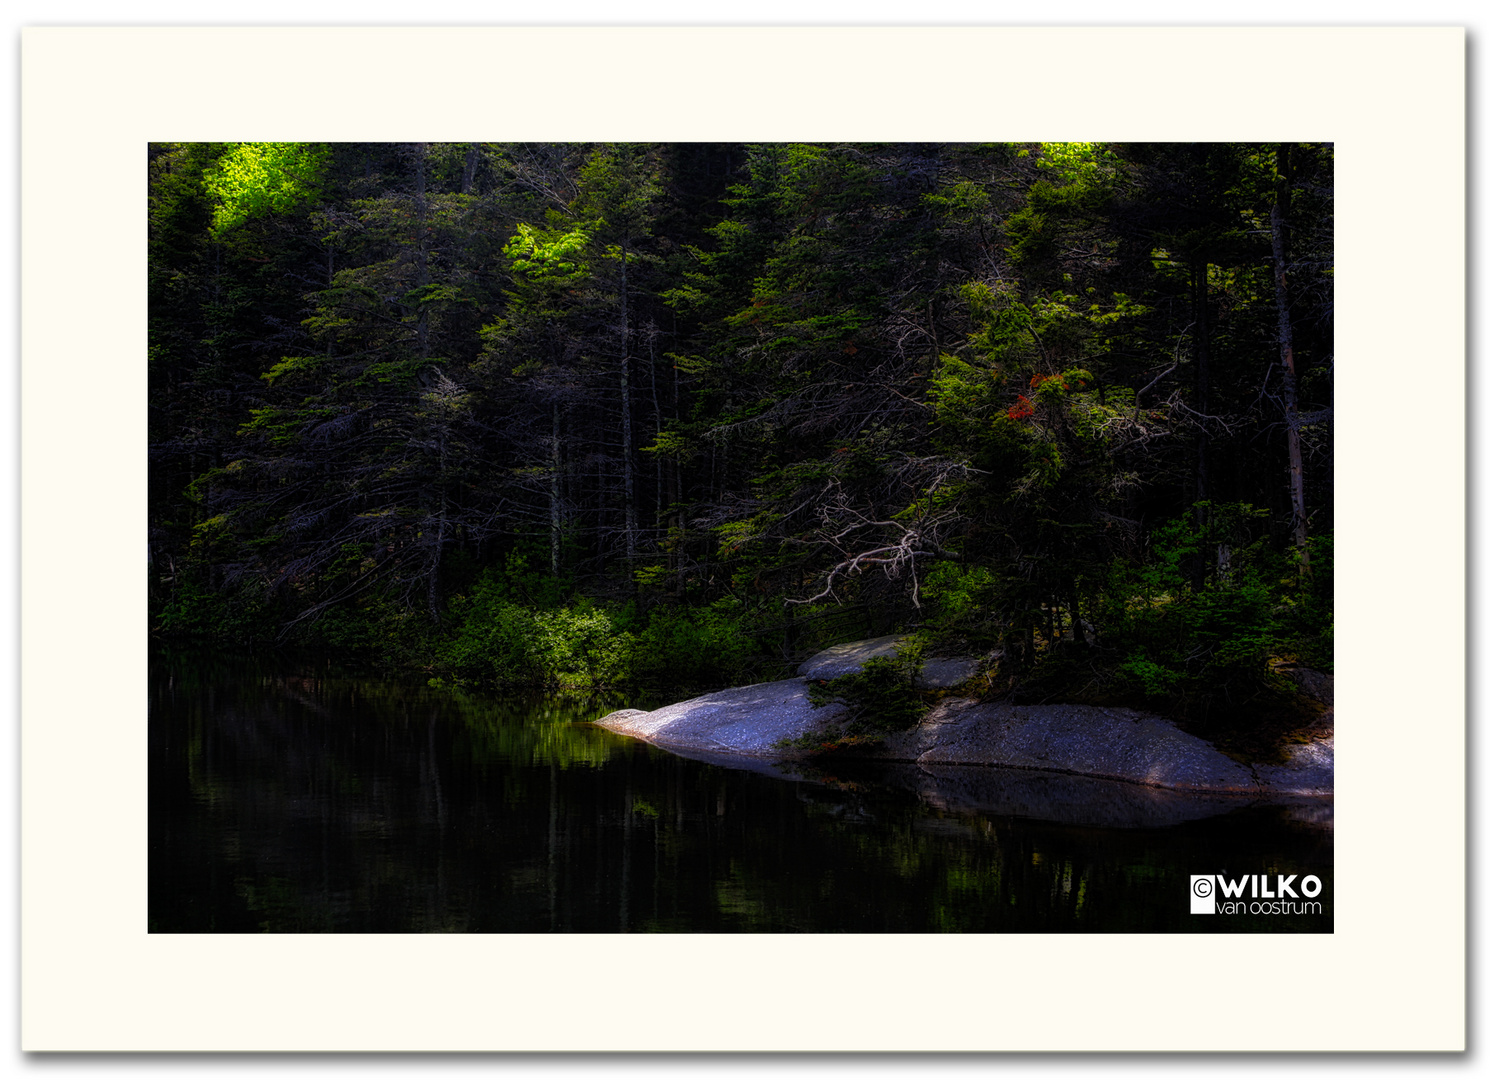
{"x": 1113, "y": 744}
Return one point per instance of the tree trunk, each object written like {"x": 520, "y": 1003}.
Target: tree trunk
{"x": 1288, "y": 360}
{"x": 469, "y": 169}
{"x": 676, "y": 522}
{"x": 555, "y": 489}
{"x": 433, "y": 585}
{"x": 422, "y": 265}
{"x": 1201, "y": 404}
{"x": 653, "y": 385}
{"x": 630, "y": 511}
{"x": 422, "y": 345}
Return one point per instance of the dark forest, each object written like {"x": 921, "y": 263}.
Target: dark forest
{"x": 679, "y": 415}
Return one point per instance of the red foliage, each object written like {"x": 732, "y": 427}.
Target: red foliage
{"x": 1021, "y": 410}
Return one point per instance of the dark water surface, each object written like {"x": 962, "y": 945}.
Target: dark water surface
{"x": 302, "y": 800}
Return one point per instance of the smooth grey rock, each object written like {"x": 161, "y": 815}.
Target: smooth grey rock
{"x": 1119, "y": 744}
{"x": 746, "y": 721}
{"x": 1308, "y": 770}
{"x": 838, "y": 660}
{"x": 939, "y": 674}
{"x": 847, "y": 659}
{"x": 1317, "y": 685}
{"x": 1105, "y": 743}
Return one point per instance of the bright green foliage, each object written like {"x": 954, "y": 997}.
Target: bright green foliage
{"x": 1088, "y": 164}
{"x": 522, "y": 627}
{"x": 501, "y": 642}
{"x": 255, "y": 179}
{"x": 1155, "y": 682}
{"x": 548, "y": 259}
{"x": 963, "y": 202}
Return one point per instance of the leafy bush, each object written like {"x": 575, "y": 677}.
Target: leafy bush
{"x": 578, "y": 644}
{"x": 1154, "y": 680}
{"x": 1307, "y": 612}
{"x": 690, "y": 647}
{"x": 512, "y": 629}
{"x": 238, "y": 615}
{"x": 494, "y": 645}
{"x": 504, "y": 643}
{"x": 515, "y": 628}
{"x": 376, "y": 629}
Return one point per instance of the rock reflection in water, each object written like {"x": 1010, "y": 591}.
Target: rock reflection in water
{"x": 1066, "y": 799}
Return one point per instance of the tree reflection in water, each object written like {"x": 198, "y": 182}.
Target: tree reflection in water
{"x": 308, "y": 801}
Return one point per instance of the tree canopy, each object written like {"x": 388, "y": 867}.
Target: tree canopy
{"x": 691, "y": 410}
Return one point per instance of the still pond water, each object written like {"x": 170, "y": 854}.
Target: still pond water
{"x": 291, "y": 799}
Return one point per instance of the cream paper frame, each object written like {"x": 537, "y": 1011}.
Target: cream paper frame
{"x": 1391, "y": 976}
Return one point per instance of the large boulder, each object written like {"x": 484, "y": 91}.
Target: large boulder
{"x": 749, "y": 725}
{"x": 1105, "y": 743}
{"x": 838, "y": 660}
{"x": 1308, "y": 769}
{"x": 1316, "y": 685}
{"x": 1117, "y": 744}
{"x": 747, "y": 721}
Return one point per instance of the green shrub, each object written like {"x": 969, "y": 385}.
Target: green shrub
{"x": 239, "y": 615}
{"x": 1152, "y": 679}
{"x": 503, "y": 643}
{"x": 578, "y": 645}
{"x": 494, "y": 645}
{"x": 882, "y": 696}
{"x": 1307, "y": 610}
{"x": 515, "y": 627}
{"x": 512, "y": 630}
{"x": 690, "y": 647}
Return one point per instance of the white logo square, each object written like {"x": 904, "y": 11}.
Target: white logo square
{"x": 1201, "y": 894}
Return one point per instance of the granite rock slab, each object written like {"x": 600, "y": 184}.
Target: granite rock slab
{"x": 746, "y": 721}
{"x": 937, "y": 674}
{"x": 1308, "y": 770}
{"x": 1316, "y": 685}
{"x": 1112, "y": 744}
{"x": 847, "y": 659}
{"x": 1116, "y": 744}
{"x": 748, "y": 725}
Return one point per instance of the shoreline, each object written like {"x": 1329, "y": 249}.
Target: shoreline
{"x": 753, "y": 724}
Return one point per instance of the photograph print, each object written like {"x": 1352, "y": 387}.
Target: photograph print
{"x": 720, "y": 537}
